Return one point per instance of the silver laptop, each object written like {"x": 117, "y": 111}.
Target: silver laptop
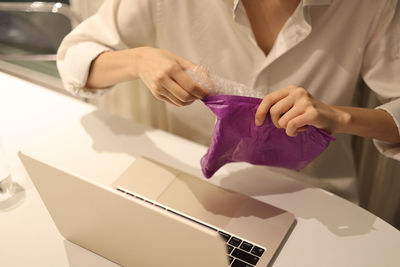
{"x": 155, "y": 215}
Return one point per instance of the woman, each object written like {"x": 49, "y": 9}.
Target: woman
{"x": 306, "y": 57}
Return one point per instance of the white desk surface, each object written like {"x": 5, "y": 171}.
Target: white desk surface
{"x": 330, "y": 231}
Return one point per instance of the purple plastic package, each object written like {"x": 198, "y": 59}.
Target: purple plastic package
{"x": 237, "y": 138}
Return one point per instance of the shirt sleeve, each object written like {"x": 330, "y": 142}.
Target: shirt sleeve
{"x": 381, "y": 67}
{"x": 118, "y": 25}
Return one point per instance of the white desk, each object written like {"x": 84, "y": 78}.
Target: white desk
{"x": 75, "y": 136}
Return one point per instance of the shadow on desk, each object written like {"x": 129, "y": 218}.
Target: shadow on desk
{"x": 339, "y": 216}
{"x": 110, "y": 133}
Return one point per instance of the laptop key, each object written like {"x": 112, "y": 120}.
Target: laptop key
{"x": 230, "y": 248}
{"x": 257, "y": 251}
{"x": 239, "y": 263}
{"x": 230, "y": 259}
{"x": 235, "y": 241}
{"x": 246, "y": 246}
{"x": 225, "y": 236}
{"x": 244, "y": 256}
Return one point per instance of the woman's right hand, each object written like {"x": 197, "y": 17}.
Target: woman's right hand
{"x": 164, "y": 74}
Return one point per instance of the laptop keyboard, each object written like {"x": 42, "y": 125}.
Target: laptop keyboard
{"x": 241, "y": 253}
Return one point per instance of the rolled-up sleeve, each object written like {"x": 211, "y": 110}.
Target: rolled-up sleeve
{"x": 381, "y": 67}
{"x": 118, "y": 25}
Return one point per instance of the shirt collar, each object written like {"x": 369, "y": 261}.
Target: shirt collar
{"x": 232, "y": 5}
{"x": 235, "y": 5}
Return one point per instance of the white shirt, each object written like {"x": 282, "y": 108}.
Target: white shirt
{"x": 326, "y": 46}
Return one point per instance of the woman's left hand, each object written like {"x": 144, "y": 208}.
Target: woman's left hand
{"x": 293, "y": 108}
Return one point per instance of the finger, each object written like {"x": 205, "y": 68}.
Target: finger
{"x": 166, "y": 99}
{"x": 188, "y": 85}
{"x": 177, "y": 102}
{"x": 266, "y": 104}
{"x": 295, "y": 111}
{"x": 162, "y": 93}
{"x": 279, "y": 109}
{"x": 296, "y": 124}
{"x": 302, "y": 129}
{"x": 176, "y": 90}
{"x": 163, "y": 98}
{"x": 186, "y": 64}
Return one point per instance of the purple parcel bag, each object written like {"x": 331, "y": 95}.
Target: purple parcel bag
{"x": 237, "y": 138}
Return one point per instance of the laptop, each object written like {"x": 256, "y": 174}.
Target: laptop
{"x": 156, "y": 215}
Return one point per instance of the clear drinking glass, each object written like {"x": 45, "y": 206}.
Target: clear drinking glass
{"x": 5, "y": 175}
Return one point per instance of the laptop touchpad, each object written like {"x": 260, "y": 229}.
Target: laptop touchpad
{"x": 201, "y": 200}
{"x": 146, "y": 178}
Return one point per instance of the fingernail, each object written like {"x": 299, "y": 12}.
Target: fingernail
{"x": 258, "y": 122}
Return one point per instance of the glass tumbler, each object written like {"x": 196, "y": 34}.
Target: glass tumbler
{"x": 5, "y": 175}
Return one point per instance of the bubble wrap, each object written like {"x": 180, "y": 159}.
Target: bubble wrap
{"x": 216, "y": 85}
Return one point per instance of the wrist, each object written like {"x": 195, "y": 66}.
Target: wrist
{"x": 343, "y": 120}
{"x": 135, "y": 58}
